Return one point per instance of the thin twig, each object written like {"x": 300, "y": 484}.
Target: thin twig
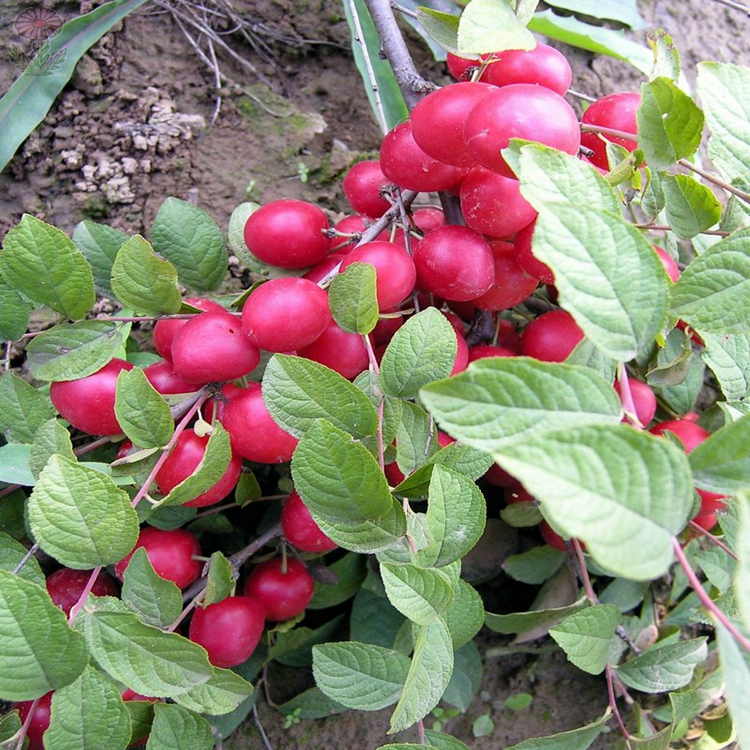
{"x": 32, "y": 550}
{"x": 734, "y": 6}
{"x": 262, "y": 732}
{"x": 711, "y": 538}
{"x": 613, "y": 706}
{"x": 665, "y": 228}
{"x": 715, "y": 180}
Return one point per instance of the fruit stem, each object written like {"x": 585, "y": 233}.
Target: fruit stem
{"x": 76, "y": 608}
{"x": 665, "y": 228}
{"x": 32, "y": 550}
{"x": 715, "y": 180}
{"x": 711, "y": 538}
{"x": 26, "y": 724}
{"x": 613, "y": 706}
{"x": 705, "y": 599}
{"x": 627, "y": 396}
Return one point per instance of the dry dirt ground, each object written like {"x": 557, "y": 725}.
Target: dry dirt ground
{"x": 135, "y": 126}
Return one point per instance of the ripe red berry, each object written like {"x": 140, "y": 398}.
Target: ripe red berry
{"x": 644, "y": 400}
{"x": 253, "y": 432}
{"x": 171, "y": 554}
{"x": 229, "y": 630}
{"x": 166, "y": 329}
{"x": 487, "y": 351}
{"x": 543, "y": 66}
{"x": 213, "y": 347}
{"x": 39, "y": 721}
{"x": 66, "y": 585}
{"x": 184, "y": 459}
{"x": 363, "y": 186}
{"x": 690, "y": 434}
{"x": 670, "y": 265}
{"x": 461, "y": 67}
{"x": 615, "y": 111}
{"x": 286, "y": 314}
{"x": 300, "y": 529}
{"x": 162, "y": 376}
{"x": 341, "y": 351}
{"x": 527, "y": 260}
{"x": 283, "y": 594}
{"x": 511, "y": 284}
{"x": 551, "y": 337}
{"x": 89, "y": 403}
{"x": 288, "y": 234}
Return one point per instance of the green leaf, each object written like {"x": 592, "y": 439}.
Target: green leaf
{"x": 50, "y": 438}
{"x": 393, "y": 106}
{"x": 624, "y": 11}
{"x": 466, "y": 678}
{"x": 420, "y": 594}
{"x": 681, "y": 397}
{"x": 607, "y": 275}
{"x": 415, "y": 437}
{"x": 74, "y": 350}
{"x": 664, "y": 668}
{"x": 350, "y": 571}
{"x": 89, "y": 713}
{"x": 429, "y": 674}
{"x": 422, "y": 350}
{"x": 666, "y": 56}
{"x": 141, "y": 410}
{"x": 360, "y": 675}
{"x": 15, "y": 464}
{"x": 597, "y": 39}
{"x": 311, "y": 704}
{"x": 188, "y": 237}
{"x": 43, "y": 264}
{"x": 40, "y": 652}
{"x": 722, "y": 462}
{"x": 352, "y": 299}
{"x": 157, "y": 601}
{"x": 521, "y": 515}
{"x": 175, "y": 726}
{"x": 80, "y": 517}
{"x": 23, "y": 409}
{"x": 728, "y": 357}
{"x": 585, "y": 636}
{"x": 14, "y": 312}
{"x": 690, "y": 206}
{"x": 713, "y": 292}
{"x": 293, "y": 648}
{"x": 146, "y": 659}
{"x": 625, "y": 493}
{"x": 624, "y": 594}
{"x": 143, "y": 281}
{"x": 575, "y": 739}
{"x": 741, "y": 544}
{"x": 534, "y": 566}
{"x": 491, "y": 26}
{"x": 11, "y": 555}
{"x": 10, "y": 725}
{"x": 220, "y": 581}
{"x": 29, "y": 99}
{"x": 443, "y": 741}
{"x": 211, "y": 468}
{"x": 442, "y": 27}
{"x": 297, "y": 391}
{"x": 724, "y": 91}
{"x": 670, "y": 124}
{"x": 220, "y": 695}
{"x": 506, "y": 399}
{"x": 735, "y": 668}
{"x": 338, "y": 479}
{"x": 374, "y": 620}
{"x": 369, "y": 383}
{"x": 456, "y": 515}
{"x": 99, "y": 245}
{"x": 465, "y": 616}
{"x": 549, "y": 176}
{"x": 520, "y": 622}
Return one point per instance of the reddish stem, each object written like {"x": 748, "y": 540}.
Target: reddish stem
{"x": 613, "y": 705}
{"x": 84, "y": 594}
{"x": 26, "y": 725}
{"x": 627, "y": 396}
{"x": 711, "y": 538}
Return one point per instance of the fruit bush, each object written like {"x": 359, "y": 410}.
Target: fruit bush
{"x": 565, "y": 344}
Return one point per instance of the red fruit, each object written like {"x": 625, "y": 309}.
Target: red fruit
{"x": 521, "y": 110}
{"x": 493, "y": 204}
{"x": 386, "y": 327}
{"x": 511, "y": 284}
{"x": 213, "y": 347}
{"x": 487, "y": 351}
{"x": 288, "y": 234}
{"x": 363, "y": 185}
{"x": 394, "y": 270}
{"x": 171, "y": 554}
{"x": 165, "y": 330}
{"x": 690, "y": 434}
{"x": 348, "y": 225}
{"x": 283, "y": 594}
{"x": 551, "y": 337}
{"x": 229, "y": 630}
{"x": 182, "y": 462}
{"x": 644, "y": 400}
{"x": 508, "y": 337}
{"x": 39, "y": 721}
{"x": 517, "y": 495}
{"x": 498, "y": 477}
{"x": 615, "y": 111}
{"x": 551, "y": 537}
{"x": 462, "y": 355}
{"x": 705, "y": 520}
{"x": 162, "y": 376}
{"x": 65, "y": 587}
{"x": 89, "y": 403}
{"x": 341, "y": 351}
{"x": 406, "y": 164}
{"x": 527, "y": 260}
{"x": 286, "y": 314}
{"x": 670, "y": 266}
{"x": 253, "y": 432}
{"x": 393, "y": 474}
{"x": 428, "y": 219}
{"x": 323, "y": 269}
{"x": 438, "y": 121}
{"x": 711, "y": 502}
{"x": 455, "y": 263}
{"x": 460, "y": 67}
{"x": 543, "y": 66}
{"x": 300, "y": 529}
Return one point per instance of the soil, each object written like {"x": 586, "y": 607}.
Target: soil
{"x": 139, "y": 122}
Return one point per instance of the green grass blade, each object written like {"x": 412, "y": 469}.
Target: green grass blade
{"x": 29, "y": 99}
